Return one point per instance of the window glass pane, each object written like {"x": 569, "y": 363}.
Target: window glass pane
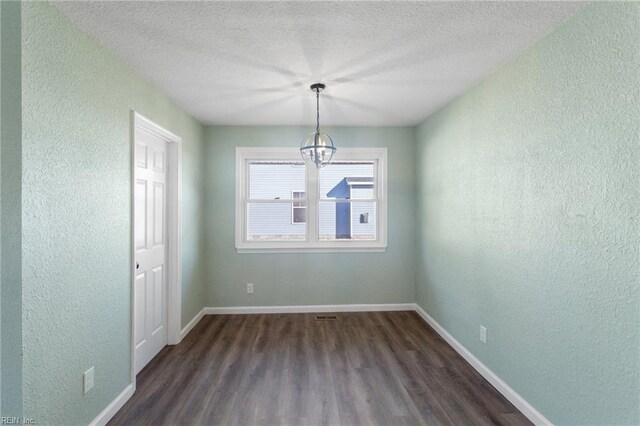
{"x": 299, "y": 215}
{"x": 347, "y": 180}
{"x": 273, "y": 222}
{"x": 297, "y": 195}
{"x": 270, "y": 180}
{"x": 343, "y": 220}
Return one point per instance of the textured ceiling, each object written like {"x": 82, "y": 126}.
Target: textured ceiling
{"x": 250, "y": 63}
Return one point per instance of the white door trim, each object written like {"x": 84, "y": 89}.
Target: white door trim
{"x": 174, "y": 229}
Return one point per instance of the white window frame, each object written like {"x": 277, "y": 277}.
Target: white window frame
{"x": 311, "y": 243}
{"x": 294, "y": 207}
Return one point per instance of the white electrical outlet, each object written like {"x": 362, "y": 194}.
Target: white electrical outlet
{"x": 483, "y": 334}
{"x": 88, "y": 380}
{"x": 250, "y": 288}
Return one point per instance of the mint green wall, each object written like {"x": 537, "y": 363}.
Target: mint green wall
{"x": 77, "y": 102}
{"x": 1, "y": 210}
{"x": 528, "y": 189}
{"x": 1, "y": 281}
{"x": 308, "y": 279}
{"x": 10, "y": 211}
{"x": 527, "y": 202}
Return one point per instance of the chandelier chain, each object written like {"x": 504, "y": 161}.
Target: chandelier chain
{"x": 317, "y": 110}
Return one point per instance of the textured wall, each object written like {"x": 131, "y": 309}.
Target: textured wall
{"x": 0, "y": 212}
{"x": 10, "y": 211}
{"x": 1, "y": 37}
{"x": 77, "y": 102}
{"x": 308, "y": 279}
{"x": 528, "y": 208}
{"x": 528, "y": 189}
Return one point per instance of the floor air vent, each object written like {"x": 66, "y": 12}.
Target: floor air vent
{"x": 326, "y": 317}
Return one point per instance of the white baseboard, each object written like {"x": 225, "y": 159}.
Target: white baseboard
{"x": 195, "y": 320}
{"x": 115, "y": 406}
{"x": 310, "y": 308}
{"x": 514, "y": 397}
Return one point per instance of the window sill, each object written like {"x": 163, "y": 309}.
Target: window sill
{"x": 274, "y": 250}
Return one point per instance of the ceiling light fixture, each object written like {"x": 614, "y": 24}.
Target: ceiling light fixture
{"x": 317, "y": 148}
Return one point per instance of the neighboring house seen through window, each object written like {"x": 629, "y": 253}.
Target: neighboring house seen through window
{"x": 283, "y": 205}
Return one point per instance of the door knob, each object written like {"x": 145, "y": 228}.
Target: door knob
{"x": 137, "y": 265}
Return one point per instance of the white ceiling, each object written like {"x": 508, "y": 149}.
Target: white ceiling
{"x": 251, "y": 63}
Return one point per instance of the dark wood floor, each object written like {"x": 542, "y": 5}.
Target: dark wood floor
{"x": 370, "y": 368}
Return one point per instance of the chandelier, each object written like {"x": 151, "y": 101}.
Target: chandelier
{"x": 317, "y": 148}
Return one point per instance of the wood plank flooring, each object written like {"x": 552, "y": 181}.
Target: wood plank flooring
{"x": 367, "y": 368}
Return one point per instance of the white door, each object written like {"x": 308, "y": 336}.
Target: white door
{"x": 150, "y": 294}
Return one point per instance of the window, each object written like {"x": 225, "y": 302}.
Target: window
{"x": 298, "y": 209}
{"x": 283, "y": 205}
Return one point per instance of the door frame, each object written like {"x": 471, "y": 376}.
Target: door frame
{"x": 173, "y": 229}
